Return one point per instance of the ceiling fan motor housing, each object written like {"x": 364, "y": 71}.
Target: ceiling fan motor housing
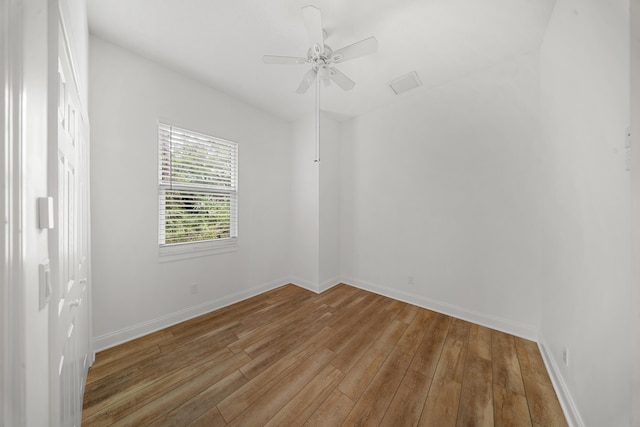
{"x": 316, "y": 54}
{"x": 326, "y": 56}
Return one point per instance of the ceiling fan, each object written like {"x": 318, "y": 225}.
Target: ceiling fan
{"x": 322, "y": 57}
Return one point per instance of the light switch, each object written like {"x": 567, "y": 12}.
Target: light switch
{"x": 45, "y": 283}
{"x": 45, "y": 212}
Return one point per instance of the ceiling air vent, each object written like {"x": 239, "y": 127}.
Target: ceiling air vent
{"x": 405, "y": 83}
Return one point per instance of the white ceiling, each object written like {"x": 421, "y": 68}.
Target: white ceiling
{"x": 221, "y": 43}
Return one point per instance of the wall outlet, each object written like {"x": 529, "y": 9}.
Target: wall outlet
{"x": 565, "y": 356}
{"x": 410, "y": 280}
{"x": 193, "y": 289}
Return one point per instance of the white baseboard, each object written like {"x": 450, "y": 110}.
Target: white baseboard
{"x": 129, "y": 333}
{"x": 330, "y": 283}
{"x": 306, "y": 284}
{"x": 494, "y": 322}
{"x": 569, "y": 407}
{"x": 111, "y": 339}
{"x": 318, "y": 288}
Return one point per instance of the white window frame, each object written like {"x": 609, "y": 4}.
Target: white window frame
{"x": 176, "y": 251}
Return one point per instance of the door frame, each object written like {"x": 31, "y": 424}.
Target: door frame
{"x": 13, "y": 402}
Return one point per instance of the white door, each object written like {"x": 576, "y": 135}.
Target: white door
{"x": 69, "y": 316}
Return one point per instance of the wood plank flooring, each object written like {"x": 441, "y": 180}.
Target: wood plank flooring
{"x": 290, "y": 357}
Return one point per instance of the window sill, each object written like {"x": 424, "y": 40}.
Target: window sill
{"x": 195, "y": 250}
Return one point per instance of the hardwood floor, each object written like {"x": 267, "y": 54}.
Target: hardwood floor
{"x": 290, "y": 357}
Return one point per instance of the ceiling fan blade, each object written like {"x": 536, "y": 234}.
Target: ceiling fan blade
{"x": 313, "y": 21}
{"x": 274, "y": 59}
{"x": 356, "y": 50}
{"x": 341, "y": 79}
{"x": 307, "y": 81}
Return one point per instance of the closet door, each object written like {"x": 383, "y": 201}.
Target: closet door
{"x": 69, "y": 314}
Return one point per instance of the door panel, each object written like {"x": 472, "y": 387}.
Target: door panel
{"x": 69, "y": 332}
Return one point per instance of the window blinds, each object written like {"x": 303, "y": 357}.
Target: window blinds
{"x": 197, "y": 187}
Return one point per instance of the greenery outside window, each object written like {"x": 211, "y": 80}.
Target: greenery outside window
{"x": 198, "y": 191}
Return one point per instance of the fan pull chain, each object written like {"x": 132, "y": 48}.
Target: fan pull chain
{"x": 317, "y": 159}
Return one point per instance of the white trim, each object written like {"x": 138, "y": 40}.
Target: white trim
{"x": 180, "y": 251}
{"x": 329, "y": 283}
{"x": 303, "y": 283}
{"x": 13, "y": 409}
{"x": 317, "y": 288}
{"x": 89, "y": 245}
{"x": 569, "y": 407}
{"x": 5, "y": 333}
{"x": 129, "y": 333}
{"x": 494, "y": 322}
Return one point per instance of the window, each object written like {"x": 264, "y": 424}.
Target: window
{"x": 198, "y": 191}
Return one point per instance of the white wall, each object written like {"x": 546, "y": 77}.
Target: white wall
{"x": 329, "y": 209}
{"x": 305, "y": 204}
{"x": 635, "y": 211}
{"x": 438, "y": 187}
{"x": 133, "y": 293}
{"x": 586, "y": 267}
{"x": 315, "y": 203}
